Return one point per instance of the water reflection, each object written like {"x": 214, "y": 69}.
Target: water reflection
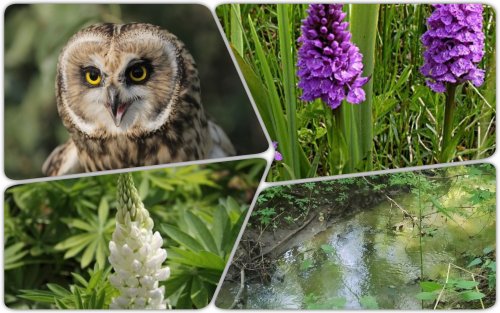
{"x": 374, "y": 253}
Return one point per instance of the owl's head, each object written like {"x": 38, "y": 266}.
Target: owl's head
{"x": 115, "y": 79}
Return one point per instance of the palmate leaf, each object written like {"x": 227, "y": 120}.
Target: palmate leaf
{"x": 204, "y": 241}
{"x": 184, "y": 298}
{"x": 37, "y": 295}
{"x": 93, "y": 241}
{"x": 13, "y": 256}
{"x": 199, "y": 294}
{"x": 203, "y": 259}
{"x": 201, "y": 231}
{"x": 76, "y": 297}
{"x": 181, "y": 237}
{"x": 200, "y": 288}
{"x": 221, "y": 227}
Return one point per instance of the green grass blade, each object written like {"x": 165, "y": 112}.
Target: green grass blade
{"x": 363, "y": 26}
{"x": 287, "y": 60}
{"x": 236, "y": 31}
{"x": 281, "y": 127}
{"x": 259, "y": 93}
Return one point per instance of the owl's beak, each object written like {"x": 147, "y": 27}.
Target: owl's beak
{"x": 116, "y": 107}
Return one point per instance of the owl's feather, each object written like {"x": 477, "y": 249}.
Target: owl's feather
{"x": 222, "y": 146}
{"x": 63, "y": 160}
{"x": 120, "y": 123}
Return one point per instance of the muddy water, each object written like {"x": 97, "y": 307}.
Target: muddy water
{"x": 374, "y": 253}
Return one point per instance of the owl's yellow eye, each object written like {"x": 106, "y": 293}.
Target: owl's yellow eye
{"x": 138, "y": 73}
{"x": 93, "y": 76}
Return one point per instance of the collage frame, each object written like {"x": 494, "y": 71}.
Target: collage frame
{"x": 269, "y": 155}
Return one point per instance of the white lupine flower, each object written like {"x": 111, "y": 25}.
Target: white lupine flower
{"x": 136, "y": 254}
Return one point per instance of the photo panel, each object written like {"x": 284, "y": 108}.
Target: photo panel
{"x": 406, "y": 240}
{"x": 348, "y": 88}
{"x": 81, "y": 98}
{"x": 147, "y": 239}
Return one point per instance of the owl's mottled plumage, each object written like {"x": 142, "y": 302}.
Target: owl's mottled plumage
{"x": 121, "y": 122}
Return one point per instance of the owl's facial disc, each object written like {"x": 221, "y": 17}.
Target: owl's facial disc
{"x": 115, "y": 106}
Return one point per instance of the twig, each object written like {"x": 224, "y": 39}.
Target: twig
{"x": 240, "y": 291}
{"x": 285, "y": 239}
{"x": 477, "y": 289}
{"x": 444, "y": 286}
{"x": 400, "y": 207}
{"x": 469, "y": 272}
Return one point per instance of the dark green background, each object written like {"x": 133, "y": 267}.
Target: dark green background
{"x": 34, "y": 36}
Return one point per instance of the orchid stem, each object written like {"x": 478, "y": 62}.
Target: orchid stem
{"x": 449, "y": 113}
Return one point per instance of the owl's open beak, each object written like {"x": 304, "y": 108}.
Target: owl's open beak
{"x": 116, "y": 107}
{"x": 118, "y": 111}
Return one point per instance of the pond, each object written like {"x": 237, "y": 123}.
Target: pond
{"x": 375, "y": 255}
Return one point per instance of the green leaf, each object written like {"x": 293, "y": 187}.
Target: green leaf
{"x": 91, "y": 303}
{"x": 489, "y": 249}
{"x": 58, "y": 290}
{"x": 73, "y": 241}
{"x": 430, "y": 286}
{"x": 471, "y": 295}
{"x": 77, "y": 223}
{"x": 80, "y": 279}
{"x": 181, "y": 237}
{"x": 203, "y": 259}
{"x": 60, "y": 304}
{"x": 475, "y": 262}
{"x": 101, "y": 252}
{"x": 306, "y": 264}
{"x": 184, "y": 299}
{"x": 427, "y": 296}
{"x": 101, "y": 296}
{"x": 75, "y": 250}
{"x": 177, "y": 282}
{"x": 13, "y": 254}
{"x": 201, "y": 231}
{"x": 37, "y": 295}
{"x": 273, "y": 96}
{"x": 199, "y": 294}
{"x": 95, "y": 279}
{"x": 144, "y": 188}
{"x": 236, "y": 27}
{"x": 162, "y": 183}
{"x": 78, "y": 298}
{"x": 88, "y": 254}
{"x": 369, "y": 302}
{"x": 441, "y": 209}
{"x": 327, "y": 249}
{"x": 221, "y": 226}
{"x": 289, "y": 86}
{"x": 258, "y": 91}
{"x": 466, "y": 284}
{"x": 103, "y": 211}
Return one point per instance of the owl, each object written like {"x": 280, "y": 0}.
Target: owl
{"x": 129, "y": 95}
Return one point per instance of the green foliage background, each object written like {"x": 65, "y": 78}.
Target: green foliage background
{"x": 407, "y": 116}
{"x": 33, "y": 38}
{"x": 57, "y": 232}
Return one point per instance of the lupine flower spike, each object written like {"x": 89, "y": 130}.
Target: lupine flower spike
{"x": 454, "y": 45}
{"x": 330, "y": 65}
{"x": 136, "y": 253}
